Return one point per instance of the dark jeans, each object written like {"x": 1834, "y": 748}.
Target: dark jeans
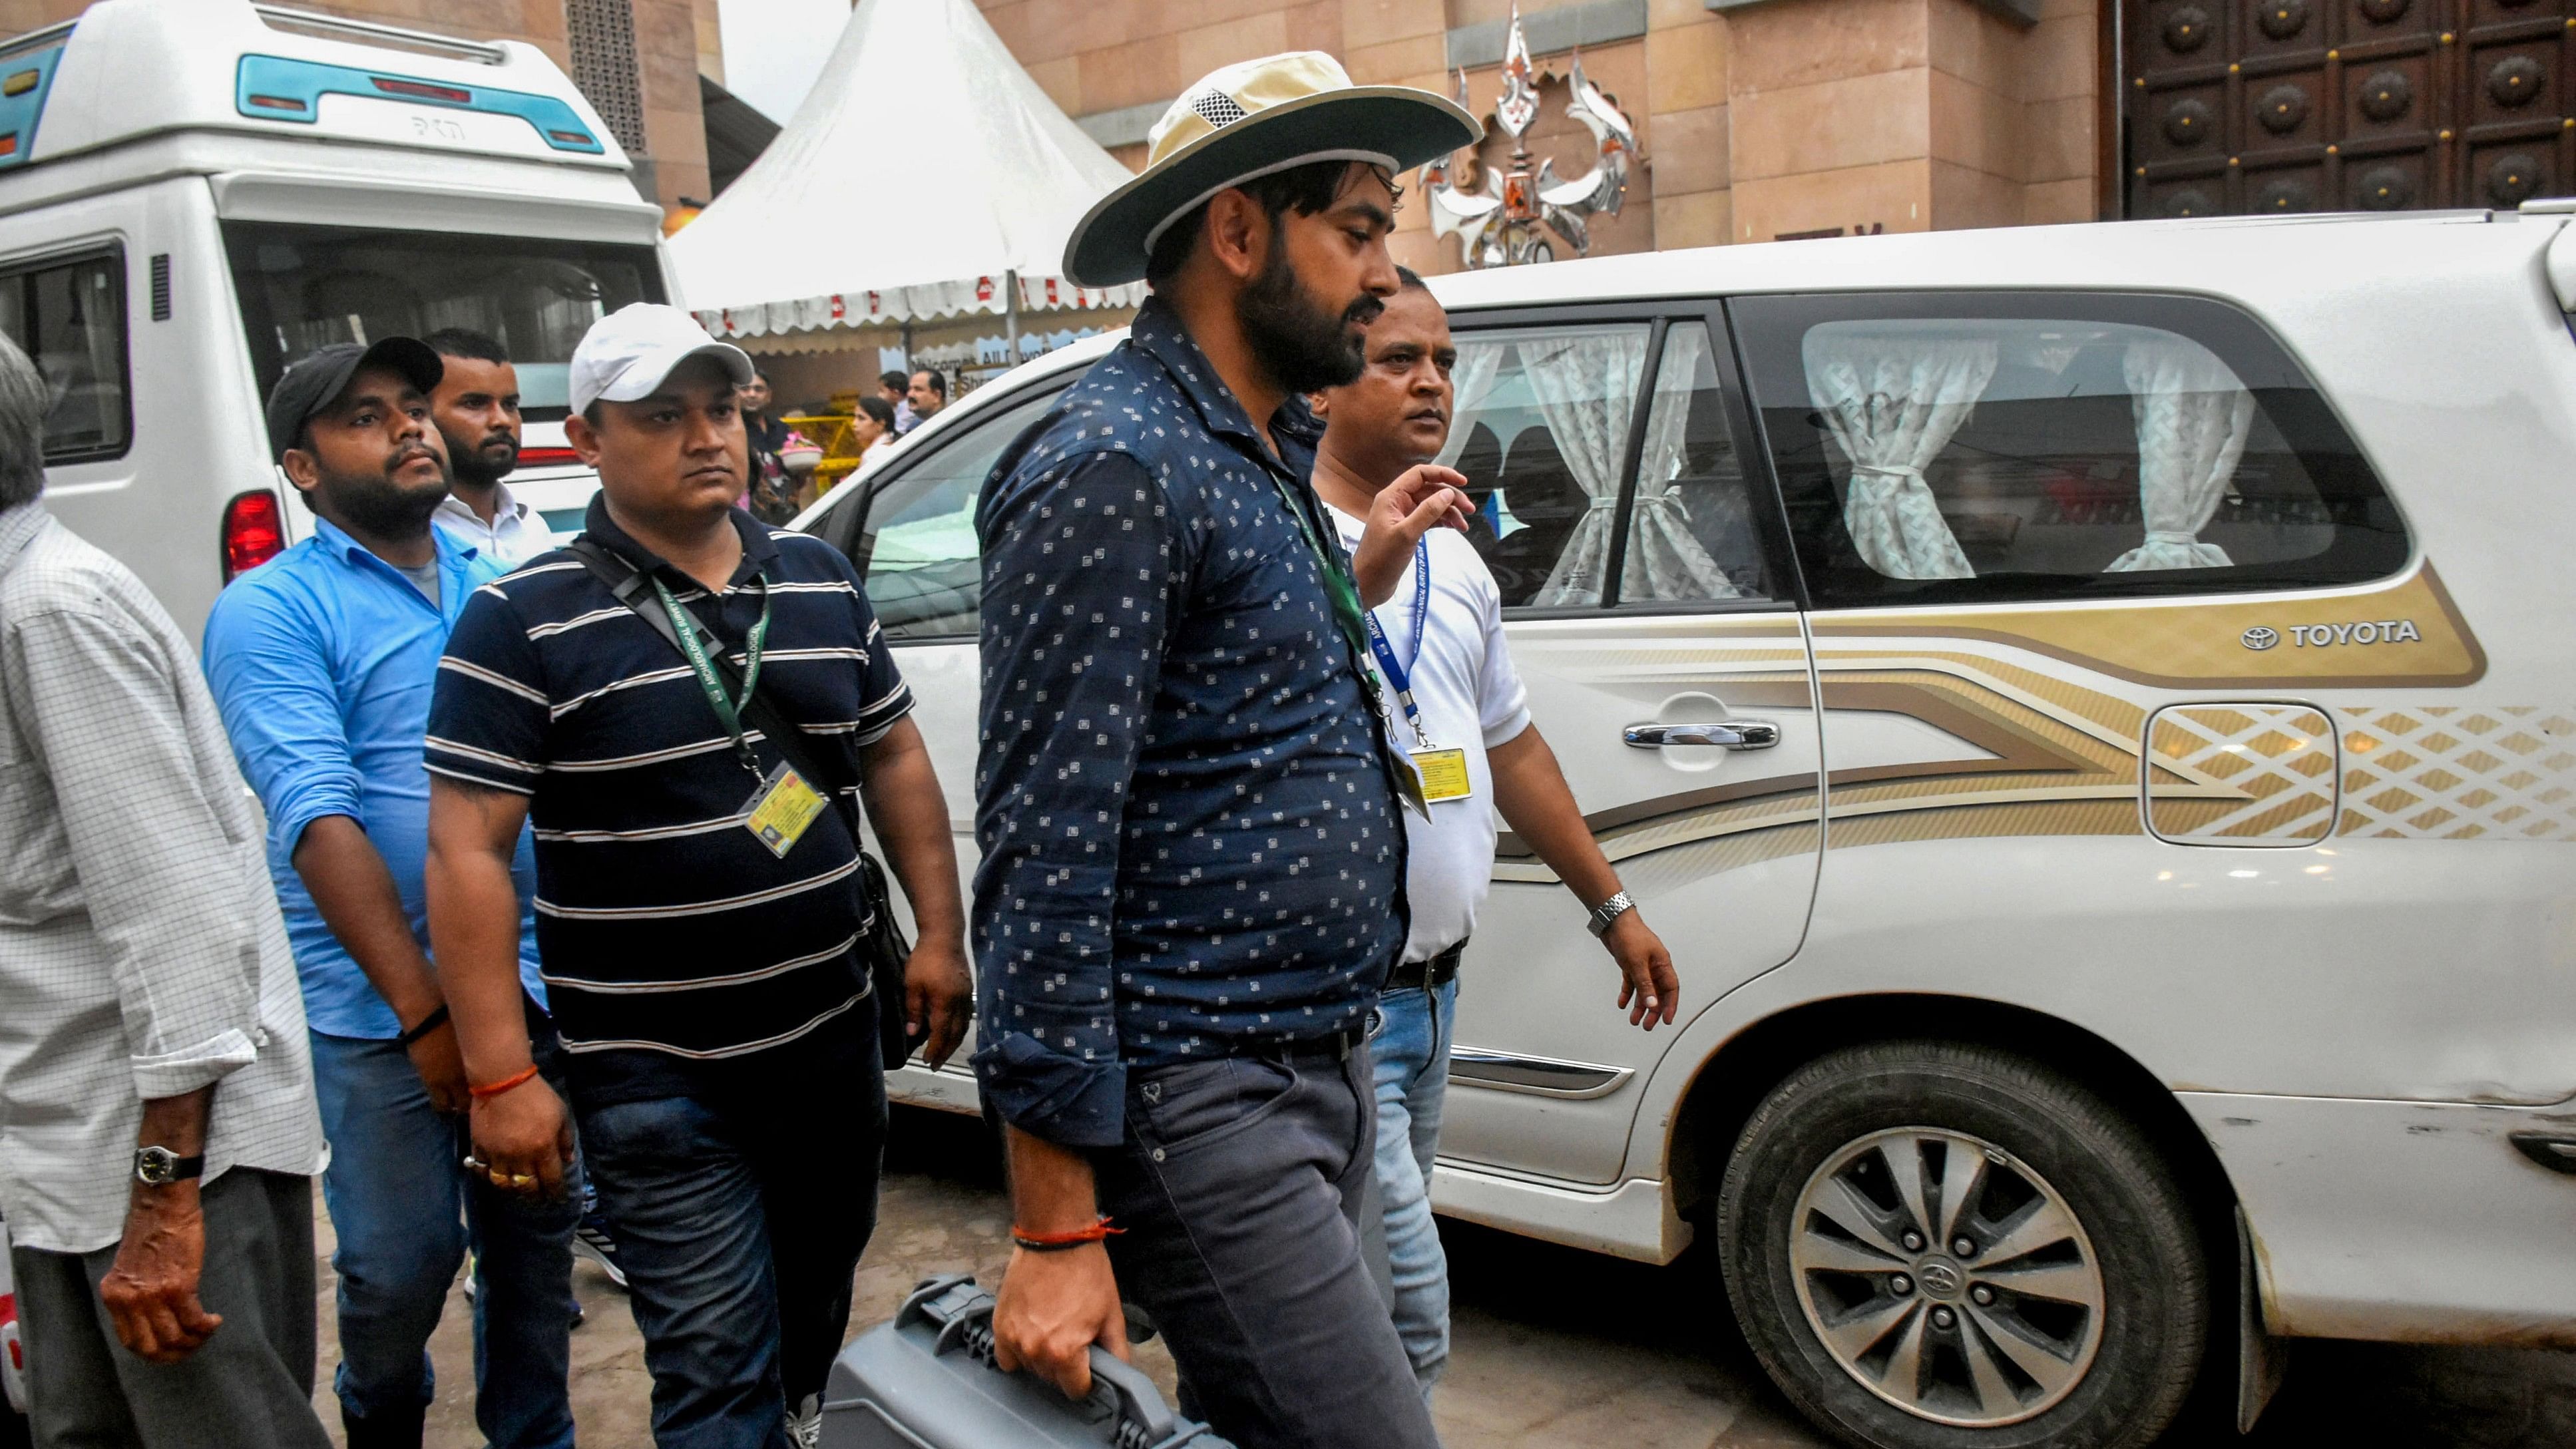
{"x": 405, "y": 1210}
{"x": 1241, "y": 1187}
{"x": 740, "y": 1218}
{"x": 249, "y": 1387}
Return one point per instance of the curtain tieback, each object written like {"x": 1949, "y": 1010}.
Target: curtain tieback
{"x": 1602, "y": 505}
{"x": 2183, "y": 537}
{"x": 1898, "y": 471}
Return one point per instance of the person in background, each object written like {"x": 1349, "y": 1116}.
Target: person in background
{"x": 701, "y": 923}
{"x": 1193, "y": 878}
{"x": 476, "y": 409}
{"x": 927, "y": 393}
{"x": 156, "y": 1099}
{"x": 323, "y": 661}
{"x": 874, "y": 430}
{"x": 771, "y": 494}
{"x": 1440, "y": 641}
{"x": 896, "y": 389}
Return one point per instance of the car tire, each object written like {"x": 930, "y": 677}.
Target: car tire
{"x": 2076, "y": 1317}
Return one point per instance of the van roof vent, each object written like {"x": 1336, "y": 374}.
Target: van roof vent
{"x": 368, "y": 32}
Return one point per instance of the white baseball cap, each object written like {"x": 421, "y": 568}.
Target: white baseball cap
{"x": 626, "y": 354}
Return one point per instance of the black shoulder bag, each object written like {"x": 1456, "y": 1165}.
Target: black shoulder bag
{"x": 882, "y": 948}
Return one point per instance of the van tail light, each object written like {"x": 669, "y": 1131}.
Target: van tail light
{"x": 528, "y": 456}
{"x": 9, "y": 1320}
{"x": 254, "y": 532}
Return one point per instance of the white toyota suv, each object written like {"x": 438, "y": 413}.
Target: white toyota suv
{"x": 2150, "y": 932}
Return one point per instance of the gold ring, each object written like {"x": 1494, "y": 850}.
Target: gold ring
{"x": 522, "y": 1179}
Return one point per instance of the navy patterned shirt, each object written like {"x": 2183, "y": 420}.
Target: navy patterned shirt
{"x": 1190, "y": 843}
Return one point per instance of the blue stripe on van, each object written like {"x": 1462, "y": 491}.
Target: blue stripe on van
{"x": 25, "y": 81}
{"x": 274, "y": 88}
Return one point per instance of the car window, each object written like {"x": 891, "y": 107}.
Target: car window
{"x": 1691, "y": 533}
{"x": 1999, "y": 447}
{"x": 1541, "y": 429}
{"x": 911, "y": 530}
{"x": 69, "y": 318}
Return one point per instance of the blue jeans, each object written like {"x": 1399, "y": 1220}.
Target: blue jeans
{"x": 740, "y": 1218}
{"x": 405, "y": 1210}
{"x": 1411, "y": 1048}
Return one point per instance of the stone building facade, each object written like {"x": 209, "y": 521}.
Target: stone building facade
{"x": 638, "y": 62}
{"x": 1759, "y": 119}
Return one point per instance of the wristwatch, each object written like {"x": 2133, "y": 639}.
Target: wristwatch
{"x": 1608, "y": 913}
{"x": 160, "y": 1167}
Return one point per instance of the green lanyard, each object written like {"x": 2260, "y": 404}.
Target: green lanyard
{"x": 728, "y": 711}
{"x": 1351, "y": 620}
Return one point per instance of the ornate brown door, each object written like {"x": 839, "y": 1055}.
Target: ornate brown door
{"x": 2240, "y": 106}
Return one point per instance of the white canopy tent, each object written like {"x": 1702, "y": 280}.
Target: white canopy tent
{"x": 834, "y": 228}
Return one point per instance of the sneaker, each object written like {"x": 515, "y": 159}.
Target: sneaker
{"x": 805, "y": 1423}
{"x": 591, "y": 1240}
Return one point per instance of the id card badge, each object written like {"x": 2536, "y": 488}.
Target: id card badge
{"x": 1444, "y": 774}
{"x": 780, "y": 810}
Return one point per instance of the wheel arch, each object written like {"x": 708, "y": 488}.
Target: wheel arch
{"x": 1731, "y": 1082}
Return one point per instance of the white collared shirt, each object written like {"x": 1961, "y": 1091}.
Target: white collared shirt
{"x": 516, "y": 534}
{"x": 141, "y": 951}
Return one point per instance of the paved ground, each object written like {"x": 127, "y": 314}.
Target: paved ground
{"x": 1554, "y": 1347}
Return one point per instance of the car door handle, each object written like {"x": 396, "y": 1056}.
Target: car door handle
{"x": 1733, "y": 734}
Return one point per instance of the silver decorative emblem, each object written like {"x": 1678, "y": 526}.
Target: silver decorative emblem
{"x": 2262, "y": 636}
{"x": 1940, "y": 1279}
{"x": 1509, "y": 222}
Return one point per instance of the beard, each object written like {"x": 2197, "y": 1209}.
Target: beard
{"x": 376, "y": 504}
{"x": 1306, "y": 347}
{"x": 484, "y": 461}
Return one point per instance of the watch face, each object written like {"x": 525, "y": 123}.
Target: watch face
{"x": 155, "y": 1165}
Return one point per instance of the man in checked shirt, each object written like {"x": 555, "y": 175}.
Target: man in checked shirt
{"x": 1186, "y": 799}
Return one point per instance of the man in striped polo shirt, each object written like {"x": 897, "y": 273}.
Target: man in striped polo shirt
{"x": 721, "y": 1048}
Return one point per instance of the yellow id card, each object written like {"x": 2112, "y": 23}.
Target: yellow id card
{"x": 1444, "y": 774}
{"x": 780, "y": 810}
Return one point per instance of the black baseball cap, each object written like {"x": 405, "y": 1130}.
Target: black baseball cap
{"x": 316, "y": 382}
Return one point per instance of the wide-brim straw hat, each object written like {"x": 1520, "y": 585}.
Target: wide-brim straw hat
{"x": 1249, "y": 120}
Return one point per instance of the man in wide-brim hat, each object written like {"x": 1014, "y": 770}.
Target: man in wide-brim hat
{"x": 1188, "y": 803}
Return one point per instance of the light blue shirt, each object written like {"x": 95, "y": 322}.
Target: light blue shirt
{"x": 323, "y": 661}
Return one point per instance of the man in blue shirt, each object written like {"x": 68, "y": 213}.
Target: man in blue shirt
{"x": 323, "y": 662}
{"x": 1193, "y": 869}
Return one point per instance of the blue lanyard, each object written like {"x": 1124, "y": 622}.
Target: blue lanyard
{"x": 1397, "y": 673}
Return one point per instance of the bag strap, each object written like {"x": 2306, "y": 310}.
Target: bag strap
{"x": 630, "y": 586}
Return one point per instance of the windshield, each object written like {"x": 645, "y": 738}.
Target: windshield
{"x": 305, "y": 287}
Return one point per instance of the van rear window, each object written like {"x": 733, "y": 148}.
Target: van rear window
{"x": 304, "y": 288}
{"x": 68, "y": 314}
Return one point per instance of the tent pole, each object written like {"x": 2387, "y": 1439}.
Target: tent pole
{"x": 1011, "y": 315}
{"x": 907, "y": 346}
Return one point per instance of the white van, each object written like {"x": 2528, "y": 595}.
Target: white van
{"x": 195, "y": 193}
{"x": 2149, "y": 927}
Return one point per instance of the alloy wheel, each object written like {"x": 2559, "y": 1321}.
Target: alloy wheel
{"x": 1947, "y": 1277}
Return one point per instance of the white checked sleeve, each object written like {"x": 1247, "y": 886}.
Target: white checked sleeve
{"x": 105, "y": 700}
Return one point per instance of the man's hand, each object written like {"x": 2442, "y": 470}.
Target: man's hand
{"x": 1421, "y": 499}
{"x": 442, "y": 1069}
{"x": 938, "y": 998}
{"x": 523, "y": 1133}
{"x": 151, "y": 1292}
{"x": 1648, "y": 989}
{"x": 1053, "y": 1307}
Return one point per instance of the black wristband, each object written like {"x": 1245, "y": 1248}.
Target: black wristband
{"x": 423, "y": 1027}
{"x": 1034, "y": 1246}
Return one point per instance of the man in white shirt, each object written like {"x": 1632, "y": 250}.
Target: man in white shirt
{"x": 1440, "y": 639}
{"x": 476, "y": 408}
{"x": 158, "y": 1136}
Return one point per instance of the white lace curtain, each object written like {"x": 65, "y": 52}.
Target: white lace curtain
{"x": 2192, "y": 417}
{"x": 1892, "y": 401}
{"x": 1586, "y": 387}
{"x": 1471, "y": 382}
{"x": 1665, "y": 560}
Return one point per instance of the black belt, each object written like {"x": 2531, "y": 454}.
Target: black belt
{"x": 1439, "y": 970}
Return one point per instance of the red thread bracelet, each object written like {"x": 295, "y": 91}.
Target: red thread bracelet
{"x": 487, "y": 1093}
{"x": 1058, "y": 1242}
